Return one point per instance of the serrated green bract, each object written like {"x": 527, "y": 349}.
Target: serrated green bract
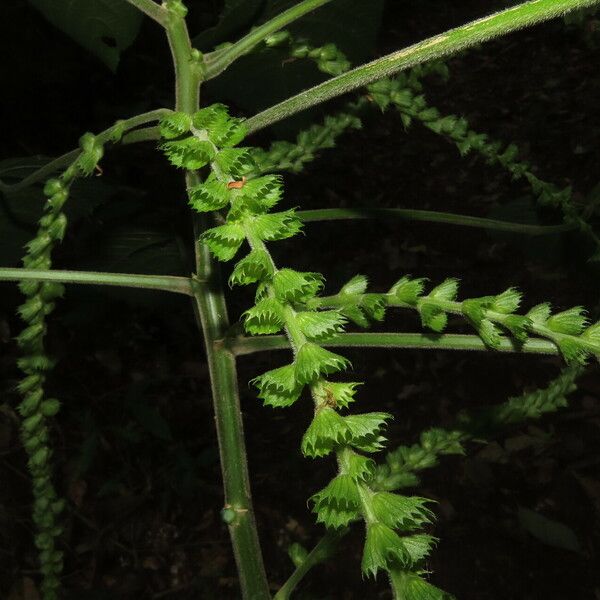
{"x": 225, "y": 131}
{"x": 539, "y": 314}
{"x": 569, "y": 322}
{"x": 401, "y": 512}
{"x": 278, "y": 387}
{"x": 189, "y": 153}
{"x": 410, "y": 586}
{"x": 272, "y": 227}
{"x": 209, "y": 196}
{"x": 365, "y": 430}
{"x": 447, "y": 290}
{"x": 335, "y": 518}
{"x": 225, "y": 240}
{"x": 175, "y": 125}
{"x": 266, "y": 191}
{"x": 490, "y": 334}
{"x": 432, "y": 317}
{"x": 507, "y": 302}
{"x": 206, "y": 117}
{"x": 341, "y": 492}
{"x": 518, "y": 326}
{"x": 357, "y": 285}
{"x": 408, "y": 290}
{"x": 327, "y": 430}
{"x": 320, "y": 326}
{"x": 374, "y": 305}
{"x": 252, "y": 268}
{"x": 383, "y": 548}
{"x": 572, "y": 350}
{"x": 339, "y": 394}
{"x": 236, "y": 162}
{"x": 294, "y": 286}
{"x": 312, "y": 361}
{"x": 592, "y": 334}
{"x": 265, "y": 317}
{"x": 357, "y": 466}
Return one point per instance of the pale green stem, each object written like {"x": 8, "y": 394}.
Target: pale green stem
{"x": 218, "y": 61}
{"x": 103, "y": 137}
{"x": 323, "y": 550}
{"x": 418, "y": 341}
{"x": 337, "y": 214}
{"x": 151, "y": 9}
{"x": 450, "y": 42}
{"x": 211, "y": 312}
{"x": 167, "y": 283}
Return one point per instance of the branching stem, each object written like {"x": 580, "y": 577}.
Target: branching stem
{"x": 450, "y": 42}
{"x": 338, "y": 214}
{"x": 65, "y": 160}
{"x": 150, "y": 8}
{"x": 419, "y": 341}
{"x": 218, "y": 61}
{"x": 167, "y": 283}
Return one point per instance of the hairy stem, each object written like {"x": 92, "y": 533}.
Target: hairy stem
{"x": 422, "y": 341}
{"x": 338, "y": 214}
{"x": 212, "y": 313}
{"x": 152, "y": 9}
{"x": 450, "y": 42}
{"x": 70, "y": 157}
{"x": 322, "y": 550}
{"x": 167, "y": 283}
{"x": 218, "y": 61}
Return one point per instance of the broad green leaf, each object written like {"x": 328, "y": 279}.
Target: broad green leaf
{"x": 103, "y": 27}
{"x": 548, "y": 531}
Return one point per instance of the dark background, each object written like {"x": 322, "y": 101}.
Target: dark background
{"x": 135, "y": 444}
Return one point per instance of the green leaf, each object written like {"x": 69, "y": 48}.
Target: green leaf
{"x": 401, "y": 512}
{"x": 365, "y": 429}
{"x": 224, "y": 241}
{"x": 294, "y": 286}
{"x": 278, "y": 387}
{"x": 103, "y": 27}
{"x": 550, "y": 532}
{"x": 312, "y": 361}
{"x": 255, "y": 266}
{"x": 320, "y": 326}
{"x": 264, "y": 318}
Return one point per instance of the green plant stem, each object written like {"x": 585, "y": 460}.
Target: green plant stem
{"x": 323, "y": 550}
{"x": 167, "y": 283}
{"x": 424, "y": 341}
{"x": 103, "y": 137}
{"x": 450, "y": 42}
{"x": 145, "y": 134}
{"x": 211, "y": 311}
{"x": 152, "y": 9}
{"x": 337, "y": 214}
{"x": 218, "y": 61}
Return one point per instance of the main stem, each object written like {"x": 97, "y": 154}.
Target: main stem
{"x": 212, "y": 312}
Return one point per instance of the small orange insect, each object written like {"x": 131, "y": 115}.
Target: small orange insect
{"x": 237, "y": 185}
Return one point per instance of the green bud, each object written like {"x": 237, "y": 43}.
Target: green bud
{"x": 228, "y": 515}
{"x": 53, "y": 186}
{"x": 277, "y": 38}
